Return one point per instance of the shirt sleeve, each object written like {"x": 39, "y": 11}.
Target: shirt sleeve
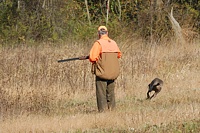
{"x": 95, "y": 52}
{"x": 119, "y": 54}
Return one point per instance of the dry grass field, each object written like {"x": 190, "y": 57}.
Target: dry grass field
{"x": 40, "y": 95}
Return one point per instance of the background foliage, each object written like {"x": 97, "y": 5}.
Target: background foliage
{"x": 38, "y": 94}
{"x": 54, "y": 20}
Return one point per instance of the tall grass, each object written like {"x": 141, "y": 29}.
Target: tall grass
{"x": 38, "y": 94}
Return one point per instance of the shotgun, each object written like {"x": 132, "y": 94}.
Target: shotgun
{"x": 76, "y": 58}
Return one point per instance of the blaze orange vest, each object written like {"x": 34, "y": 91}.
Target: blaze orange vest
{"x": 108, "y": 45}
{"x": 107, "y": 66}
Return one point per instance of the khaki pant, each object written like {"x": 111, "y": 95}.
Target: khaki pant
{"x": 105, "y": 94}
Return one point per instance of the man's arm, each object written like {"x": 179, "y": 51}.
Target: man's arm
{"x": 95, "y": 52}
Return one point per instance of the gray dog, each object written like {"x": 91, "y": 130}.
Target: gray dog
{"x": 155, "y": 85}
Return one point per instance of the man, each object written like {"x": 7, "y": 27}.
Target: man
{"x": 104, "y": 56}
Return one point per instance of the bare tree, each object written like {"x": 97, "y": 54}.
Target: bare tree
{"x": 156, "y": 19}
{"x": 88, "y": 13}
{"x": 176, "y": 27}
{"x": 18, "y": 4}
{"x": 108, "y": 8}
{"x": 120, "y": 11}
{"x": 43, "y": 5}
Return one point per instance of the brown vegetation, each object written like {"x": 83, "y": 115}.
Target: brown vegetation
{"x": 38, "y": 94}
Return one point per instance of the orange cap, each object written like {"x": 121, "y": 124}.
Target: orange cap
{"x": 102, "y": 27}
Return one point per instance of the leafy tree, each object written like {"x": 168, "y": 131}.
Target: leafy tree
{"x": 42, "y": 20}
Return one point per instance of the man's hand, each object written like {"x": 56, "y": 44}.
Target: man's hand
{"x": 84, "y": 57}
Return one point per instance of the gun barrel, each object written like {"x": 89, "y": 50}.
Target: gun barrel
{"x": 70, "y": 59}
{"x": 77, "y": 58}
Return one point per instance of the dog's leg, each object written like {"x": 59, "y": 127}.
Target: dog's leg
{"x": 148, "y": 96}
{"x": 156, "y": 92}
{"x": 154, "y": 95}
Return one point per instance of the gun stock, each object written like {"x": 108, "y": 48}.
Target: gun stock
{"x": 72, "y": 59}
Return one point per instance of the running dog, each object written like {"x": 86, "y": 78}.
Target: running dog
{"x": 156, "y": 86}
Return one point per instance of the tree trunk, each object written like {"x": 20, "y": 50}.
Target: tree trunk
{"x": 176, "y": 27}
{"x": 88, "y": 13}
{"x": 108, "y": 8}
{"x": 120, "y": 11}
{"x": 43, "y": 5}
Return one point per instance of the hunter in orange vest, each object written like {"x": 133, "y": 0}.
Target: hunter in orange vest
{"x": 104, "y": 56}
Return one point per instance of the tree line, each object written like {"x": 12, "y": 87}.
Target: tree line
{"x": 54, "y": 20}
